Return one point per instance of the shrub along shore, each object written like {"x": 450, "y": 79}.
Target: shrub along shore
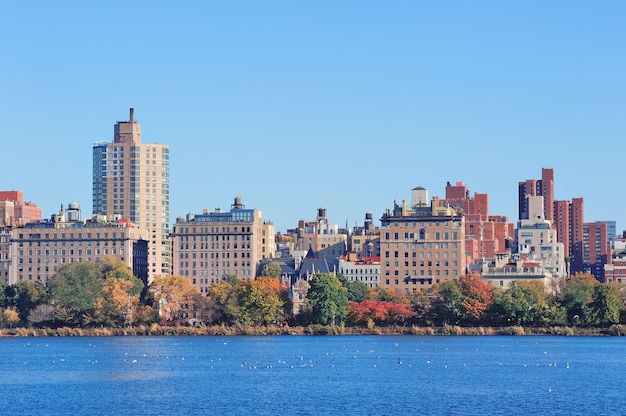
{"x": 222, "y": 330}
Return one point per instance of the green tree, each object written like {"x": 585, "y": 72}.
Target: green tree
{"x": 76, "y": 285}
{"x": 357, "y": 291}
{"x": 577, "y": 297}
{"x": 23, "y": 296}
{"x": 327, "y": 298}
{"x": 606, "y": 306}
{"x": 447, "y": 303}
{"x": 523, "y": 303}
{"x": 272, "y": 270}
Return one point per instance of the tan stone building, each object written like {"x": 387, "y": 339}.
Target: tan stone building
{"x": 323, "y": 238}
{"x": 421, "y": 245}
{"x": 37, "y": 250}
{"x": 208, "y": 246}
{"x": 131, "y": 180}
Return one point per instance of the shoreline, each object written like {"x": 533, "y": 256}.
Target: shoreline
{"x": 222, "y": 330}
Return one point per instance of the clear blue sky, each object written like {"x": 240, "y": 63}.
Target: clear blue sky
{"x": 346, "y": 105}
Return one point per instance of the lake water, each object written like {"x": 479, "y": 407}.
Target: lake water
{"x": 313, "y": 375}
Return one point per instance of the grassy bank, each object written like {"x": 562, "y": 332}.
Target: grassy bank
{"x": 615, "y": 330}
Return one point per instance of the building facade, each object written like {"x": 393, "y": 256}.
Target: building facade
{"x": 131, "y": 179}
{"x": 536, "y": 240}
{"x": 485, "y": 235}
{"x": 323, "y": 238}
{"x": 37, "y": 250}
{"x": 206, "y": 247}
{"x": 421, "y": 245}
{"x": 365, "y": 270}
{"x": 14, "y": 211}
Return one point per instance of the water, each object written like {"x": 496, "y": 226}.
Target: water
{"x": 313, "y": 375}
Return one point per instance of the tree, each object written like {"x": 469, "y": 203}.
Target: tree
{"x": 523, "y": 303}
{"x": 327, "y": 298}
{"x": 10, "y": 316}
{"x": 112, "y": 267}
{"x": 379, "y": 312}
{"x": 447, "y": 303}
{"x": 577, "y": 296}
{"x": 174, "y": 297}
{"x": 606, "y": 306}
{"x": 222, "y": 303}
{"x": 23, "y": 296}
{"x": 41, "y": 314}
{"x": 76, "y": 285}
{"x": 478, "y": 296}
{"x": 272, "y": 270}
{"x": 357, "y": 291}
{"x": 262, "y": 301}
{"x": 118, "y": 305}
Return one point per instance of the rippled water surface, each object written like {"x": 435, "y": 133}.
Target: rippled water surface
{"x": 313, "y": 375}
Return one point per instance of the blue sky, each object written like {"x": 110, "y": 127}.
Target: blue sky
{"x": 299, "y": 105}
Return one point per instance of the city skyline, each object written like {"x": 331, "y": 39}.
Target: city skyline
{"x": 297, "y": 107}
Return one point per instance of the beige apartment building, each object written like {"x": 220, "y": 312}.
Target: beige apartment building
{"x": 37, "y": 250}
{"x": 323, "y": 238}
{"x": 131, "y": 180}
{"x": 208, "y": 246}
{"x": 421, "y": 245}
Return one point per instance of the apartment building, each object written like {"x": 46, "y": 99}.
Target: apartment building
{"x": 485, "y": 234}
{"x": 208, "y": 246}
{"x": 325, "y": 239}
{"x": 364, "y": 241}
{"x": 538, "y": 187}
{"x": 365, "y": 270}
{"x": 15, "y": 211}
{"x": 596, "y": 249}
{"x": 38, "y": 249}
{"x": 536, "y": 240}
{"x": 131, "y": 180}
{"x": 421, "y": 245}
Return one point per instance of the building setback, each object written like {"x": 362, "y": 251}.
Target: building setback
{"x": 421, "y": 245}
{"x": 209, "y": 246}
{"x": 131, "y": 180}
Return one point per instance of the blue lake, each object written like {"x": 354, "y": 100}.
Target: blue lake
{"x": 313, "y": 375}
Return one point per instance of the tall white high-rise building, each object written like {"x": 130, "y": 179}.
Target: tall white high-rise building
{"x": 131, "y": 180}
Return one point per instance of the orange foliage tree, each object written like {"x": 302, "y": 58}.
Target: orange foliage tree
{"x": 379, "y": 312}
{"x": 478, "y": 296}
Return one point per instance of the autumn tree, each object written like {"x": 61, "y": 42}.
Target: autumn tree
{"x": 262, "y": 301}
{"x": 478, "y": 296}
{"x": 173, "y": 297}
{"x": 10, "y": 317}
{"x": 378, "y": 312}
{"x": 223, "y": 303}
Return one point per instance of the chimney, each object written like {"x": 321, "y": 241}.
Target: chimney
{"x": 132, "y": 116}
